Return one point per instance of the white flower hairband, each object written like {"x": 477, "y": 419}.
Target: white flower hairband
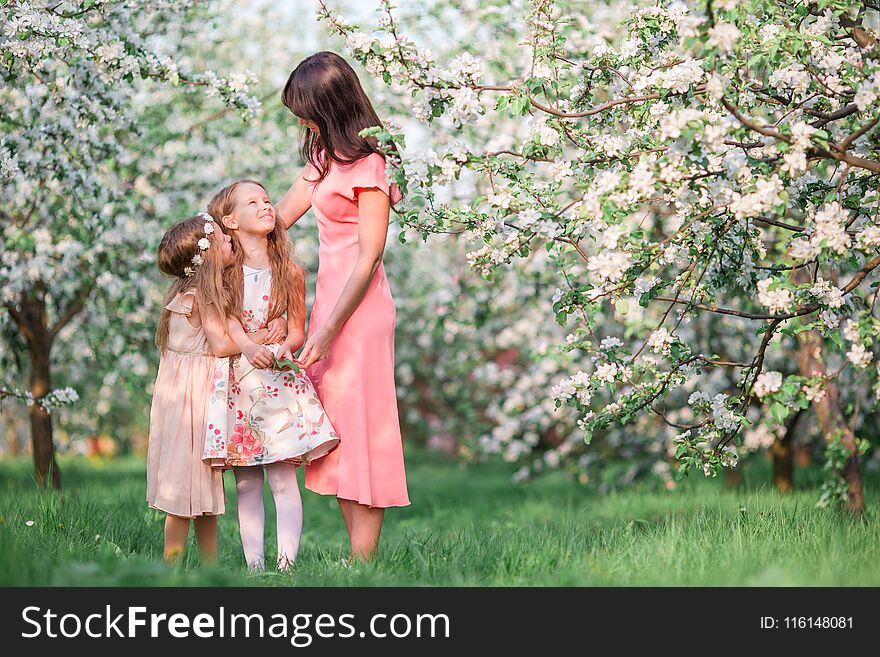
{"x": 204, "y": 244}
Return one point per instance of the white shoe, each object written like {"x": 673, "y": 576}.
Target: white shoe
{"x": 345, "y": 564}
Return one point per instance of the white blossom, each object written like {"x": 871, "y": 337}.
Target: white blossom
{"x": 767, "y": 383}
{"x": 778, "y": 300}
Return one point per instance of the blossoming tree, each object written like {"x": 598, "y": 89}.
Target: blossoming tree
{"x": 77, "y": 230}
{"x": 716, "y": 160}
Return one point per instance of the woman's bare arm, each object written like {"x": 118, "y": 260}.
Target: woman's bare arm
{"x": 373, "y": 209}
{"x": 296, "y": 201}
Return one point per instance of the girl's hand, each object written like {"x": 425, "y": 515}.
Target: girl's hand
{"x": 288, "y": 348}
{"x": 275, "y": 331}
{"x": 258, "y": 356}
{"x": 317, "y": 347}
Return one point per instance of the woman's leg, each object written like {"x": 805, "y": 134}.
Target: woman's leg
{"x": 366, "y": 525}
{"x": 176, "y": 531}
{"x": 345, "y": 508}
{"x": 288, "y": 510}
{"x": 251, "y": 518}
{"x": 206, "y": 537}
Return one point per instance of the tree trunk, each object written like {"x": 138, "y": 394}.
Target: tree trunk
{"x": 732, "y": 477}
{"x": 783, "y": 456}
{"x": 831, "y": 418}
{"x": 41, "y": 420}
{"x": 32, "y": 322}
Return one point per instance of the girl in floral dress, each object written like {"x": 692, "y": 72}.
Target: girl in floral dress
{"x": 275, "y": 421}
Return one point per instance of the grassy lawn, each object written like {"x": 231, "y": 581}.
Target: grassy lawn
{"x": 467, "y": 526}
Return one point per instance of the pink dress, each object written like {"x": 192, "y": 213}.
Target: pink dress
{"x": 178, "y": 482}
{"x": 355, "y": 383}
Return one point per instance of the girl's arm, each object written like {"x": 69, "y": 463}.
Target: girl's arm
{"x": 296, "y": 201}
{"x": 214, "y": 327}
{"x": 274, "y": 332}
{"x": 257, "y": 355}
{"x": 373, "y": 209}
{"x": 296, "y": 322}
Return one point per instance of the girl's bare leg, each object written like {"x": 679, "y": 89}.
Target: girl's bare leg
{"x": 206, "y": 537}
{"x": 176, "y": 531}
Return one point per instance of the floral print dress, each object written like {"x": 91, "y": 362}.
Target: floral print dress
{"x": 266, "y": 415}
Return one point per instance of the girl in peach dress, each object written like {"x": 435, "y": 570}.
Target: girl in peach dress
{"x": 192, "y": 340}
{"x": 350, "y": 346}
{"x": 275, "y": 420}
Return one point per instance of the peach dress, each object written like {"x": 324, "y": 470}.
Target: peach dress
{"x": 355, "y": 383}
{"x": 178, "y": 481}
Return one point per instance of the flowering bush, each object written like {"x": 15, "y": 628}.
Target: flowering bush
{"x": 713, "y": 160}
{"x": 77, "y": 226}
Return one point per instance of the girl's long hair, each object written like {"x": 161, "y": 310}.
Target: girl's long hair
{"x": 287, "y": 292}
{"x": 323, "y": 88}
{"x": 176, "y": 250}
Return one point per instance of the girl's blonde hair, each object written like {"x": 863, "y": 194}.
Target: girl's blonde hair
{"x": 288, "y": 278}
{"x": 175, "y": 254}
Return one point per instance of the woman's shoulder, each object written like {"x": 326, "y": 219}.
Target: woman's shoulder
{"x": 365, "y": 162}
{"x": 370, "y": 172}
{"x": 372, "y": 160}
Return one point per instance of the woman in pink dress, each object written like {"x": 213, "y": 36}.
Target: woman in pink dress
{"x": 349, "y": 351}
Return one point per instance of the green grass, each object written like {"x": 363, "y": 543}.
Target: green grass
{"x": 467, "y": 526}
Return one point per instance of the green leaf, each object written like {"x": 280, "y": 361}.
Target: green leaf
{"x": 779, "y": 411}
{"x": 285, "y": 365}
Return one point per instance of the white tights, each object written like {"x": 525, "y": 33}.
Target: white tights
{"x": 251, "y": 518}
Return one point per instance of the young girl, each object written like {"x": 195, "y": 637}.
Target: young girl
{"x": 275, "y": 419}
{"x": 191, "y": 333}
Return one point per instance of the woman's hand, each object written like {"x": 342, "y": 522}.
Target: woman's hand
{"x": 275, "y": 331}
{"x": 317, "y": 347}
{"x": 258, "y": 356}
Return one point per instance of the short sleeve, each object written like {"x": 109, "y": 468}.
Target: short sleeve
{"x": 369, "y": 173}
{"x": 182, "y": 303}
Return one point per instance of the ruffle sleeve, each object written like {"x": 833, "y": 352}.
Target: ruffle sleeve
{"x": 182, "y": 303}
{"x": 369, "y": 173}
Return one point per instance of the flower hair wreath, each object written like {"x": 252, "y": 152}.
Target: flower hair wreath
{"x": 204, "y": 245}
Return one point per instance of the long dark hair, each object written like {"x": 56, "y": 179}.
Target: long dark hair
{"x": 323, "y": 88}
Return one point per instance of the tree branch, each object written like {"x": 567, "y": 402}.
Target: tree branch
{"x": 752, "y": 125}
{"x": 846, "y": 143}
{"x": 73, "y": 309}
{"x": 20, "y": 322}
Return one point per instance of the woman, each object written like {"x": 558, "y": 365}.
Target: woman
{"x": 349, "y": 351}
